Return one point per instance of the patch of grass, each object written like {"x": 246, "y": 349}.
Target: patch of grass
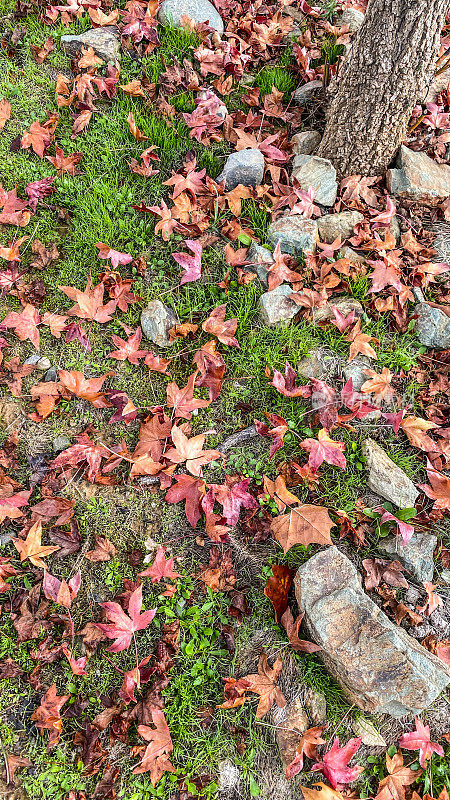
{"x": 278, "y": 77}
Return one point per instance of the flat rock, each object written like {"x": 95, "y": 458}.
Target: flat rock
{"x": 351, "y": 17}
{"x": 386, "y": 478}
{"x": 417, "y": 177}
{"x": 432, "y": 326}
{"x": 104, "y": 41}
{"x": 261, "y": 260}
{"x": 276, "y": 306}
{"x": 368, "y": 733}
{"x": 416, "y": 555}
{"x": 156, "y": 322}
{"x": 322, "y": 364}
{"x": 344, "y": 304}
{"x": 243, "y": 166}
{"x": 305, "y": 142}
{"x": 171, "y": 12}
{"x": 319, "y": 174}
{"x": 381, "y": 668}
{"x": 333, "y": 225}
{"x": 291, "y": 722}
{"x": 355, "y": 370}
{"x": 352, "y": 255}
{"x": 296, "y": 234}
{"x": 308, "y": 93}
{"x": 316, "y": 705}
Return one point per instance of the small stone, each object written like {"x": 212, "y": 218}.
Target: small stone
{"x": 296, "y": 234}
{"x": 261, "y": 260}
{"x": 276, "y": 306}
{"x": 355, "y": 370}
{"x": 243, "y": 166}
{"x": 333, "y": 225}
{"x": 352, "y": 255}
{"x": 367, "y": 731}
{"x": 60, "y": 443}
{"x": 432, "y": 326}
{"x": 171, "y": 12}
{"x": 412, "y": 596}
{"x": 44, "y": 364}
{"x": 291, "y": 722}
{"x": 440, "y": 84}
{"x": 321, "y": 364}
{"x": 386, "y": 478}
{"x": 343, "y": 304}
{"x": 380, "y": 667}
{"x": 156, "y": 322}
{"x": 316, "y": 706}
{"x": 319, "y": 174}
{"x": 33, "y": 360}
{"x": 395, "y": 229}
{"x": 416, "y": 555}
{"x": 351, "y": 17}
{"x": 417, "y": 177}
{"x": 438, "y": 621}
{"x": 104, "y": 41}
{"x": 308, "y": 93}
{"x": 51, "y": 375}
{"x": 305, "y": 142}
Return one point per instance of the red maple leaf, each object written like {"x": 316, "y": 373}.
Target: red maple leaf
{"x": 420, "y": 740}
{"x": 218, "y": 326}
{"x": 59, "y": 591}
{"x": 123, "y": 626}
{"x": 89, "y": 304}
{"x": 162, "y": 567}
{"x": 47, "y": 716}
{"x": 324, "y": 449}
{"x": 192, "y": 265}
{"x": 232, "y": 497}
{"x": 335, "y": 763}
{"x": 182, "y": 400}
{"x": 129, "y": 349}
{"x": 116, "y": 257}
{"x": 191, "y": 490}
{"x": 190, "y": 451}
{"x": 212, "y": 367}
{"x": 286, "y": 384}
{"x": 85, "y": 450}
{"x": 24, "y": 324}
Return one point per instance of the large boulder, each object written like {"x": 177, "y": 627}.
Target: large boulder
{"x": 296, "y": 234}
{"x": 318, "y": 174}
{"x": 104, "y": 41}
{"x": 243, "y": 166}
{"x": 432, "y": 326}
{"x": 417, "y": 177}
{"x": 386, "y": 478}
{"x": 171, "y": 12}
{"x": 381, "y": 668}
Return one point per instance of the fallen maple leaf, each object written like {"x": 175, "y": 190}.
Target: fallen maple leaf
{"x": 10, "y": 506}
{"x": 304, "y": 525}
{"x": 307, "y": 746}
{"x": 116, "y": 257}
{"x": 134, "y": 130}
{"x": 324, "y": 793}
{"x": 103, "y": 550}
{"x": 85, "y": 389}
{"x": 162, "y": 567}
{"x": 432, "y": 602}
{"x": 191, "y": 490}
{"x": 420, "y": 740}
{"x": 286, "y": 384}
{"x": 24, "y": 324}
{"x": 378, "y": 384}
{"x": 277, "y": 588}
{"x": 123, "y": 626}
{"x": 47, "y": 716}
{"x": 292, "y": 627}
{"x": 32, "y": 548}
{"x": 233, "y": 496}
{"x": 59, "y": 591}
{"x": 89, "y": 304}
{"x": 414, "y": 428}
{"x": 211, "y": 367}
{"x": 65, "y": 164}
{"x": 84, "y": 450}
{"x": 218, "y": 326}
{"x": 263, "y": 683}
{"x": 182, "y": 400}
{"x": 378, "y": 570}
{"x": 392, "y": 787}
{"x": 129, "y": 349}
{"x": 335, "y": 763}
{"x": 156, "y": 756}
{"x": 190, "y": 451}
{"x": 439, "y": 491}
{"x": 324, "y": 449}
{"x": 192, "y": 265}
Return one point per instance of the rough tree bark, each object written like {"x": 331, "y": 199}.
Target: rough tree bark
{"x": 389, "y": 66}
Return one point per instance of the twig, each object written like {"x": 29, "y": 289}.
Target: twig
{"x": 5, "y": 758}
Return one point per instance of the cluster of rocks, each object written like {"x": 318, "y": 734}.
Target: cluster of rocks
{"x": 43, "y": 364}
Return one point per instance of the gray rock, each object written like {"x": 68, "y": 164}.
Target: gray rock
{"x": 33, "y": 359}
{"x": 386, "y": 478}
{"x": 420, "y": 631}
{"x": 352, "y": 255}
{"x": 171, "y": 11}
{"x": 351, "y": 17}
{"x": 51, "y": 375}
{"x": 344, "y": 304}
{"x": 60, "y": 443}
{"x": 368, "y": 733}
{"x": 418, "y": 294}
{"x": 412, "y": 596}
{"x": 104, "y": 41}
{"x": 395, "y": 229}
{"x": 440, "y": 83}
{"x": 381, "y": 668}
{"x": 319, "y": 174}
{"x": 44, "y": 364}
{"x": 276, "y": 306}
{"x": 260, "y": 261}
{"x": 438, "y": 621}
{"x": 416, "y": 555}
{"x": 355, "y": 370}
{"x": 305, "y": 142}
{"x": 432, "y": 326}
{"x": 322, "y": 364}
{"x": 316, "y": 705}
{"x": 243, "y": 166}
{"x": 308, "y": 93}
{"x": 156, "y": 322}
{"x": 417, "y": 177}
{"x": 332, "y": 225}
{"x": 296, "y": 234}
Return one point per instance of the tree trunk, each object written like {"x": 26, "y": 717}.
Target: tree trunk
{"x": 389, "y": 67}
